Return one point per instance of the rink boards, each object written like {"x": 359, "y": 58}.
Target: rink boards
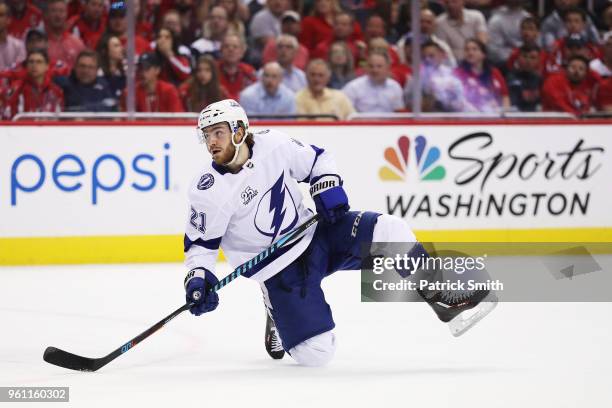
{"x": 117, "y": 193}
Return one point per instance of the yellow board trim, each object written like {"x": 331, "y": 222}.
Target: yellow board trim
{"x": 168, "y": 248}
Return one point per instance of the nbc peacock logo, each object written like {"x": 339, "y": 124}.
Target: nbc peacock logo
{"x": 397, "y": 159}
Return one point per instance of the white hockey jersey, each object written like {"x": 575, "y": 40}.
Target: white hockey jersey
{"x": 245, "y": 212}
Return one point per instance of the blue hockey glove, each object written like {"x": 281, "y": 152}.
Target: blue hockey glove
{"x": 329, "y": 197}
{"x": 200, "y": 280}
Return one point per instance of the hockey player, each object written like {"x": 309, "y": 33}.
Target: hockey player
{"x": 247, "y": 198}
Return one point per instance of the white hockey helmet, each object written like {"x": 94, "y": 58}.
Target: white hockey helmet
{"x": 227, "y": 110}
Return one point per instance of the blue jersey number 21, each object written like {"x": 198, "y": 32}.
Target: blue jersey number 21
{"x": 198, "y": 220}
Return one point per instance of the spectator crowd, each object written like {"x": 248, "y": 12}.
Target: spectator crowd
{"x": 297, "y": 57}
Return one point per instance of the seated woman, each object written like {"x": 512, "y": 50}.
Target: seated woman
{"x": 483, "y": 85}
{"x": 112, "y": 62}
{"x": 175, "y": 67}
{"x": 203, "y": 87}
{"x": 341, "y": 63}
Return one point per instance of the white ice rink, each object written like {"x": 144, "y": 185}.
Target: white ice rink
{"x": 389, "y": 355}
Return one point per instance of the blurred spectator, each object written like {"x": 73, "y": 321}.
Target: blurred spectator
{"x": 376, "y": 91}
{"x": 554, "y": 28}
{"x": 36, "y": 92}
{"x": 530, "y": 36}
{"x": 342, "y": 31}
{"x": 118, "y": 26}
{"x": 286, "y": 49}
{"x": 504, "y": 30}
{"x": 63, "y": 46}
{"x": 607, "y": 17}
{"x": 603, "y": 65}
{"x": 375, "y": 27}
{"x": 525, "y": 80}
{"x": 12, "y": 49}
{"x": 269, "y": 96}
{"x": 341, "y": 64}
{"x": 266, "y": 23}
{"x": 203, "y": 87}
{"x": 216, "y": 28}
{"x": 175, "y": 68}
{"x": 458, "y": 24}
{"x": 84, "y": 90}
{"x": 604, "y": 95}
{"x": 112, "y": 60}
{"x": 145, "y": 19}
{"x": 237, "y": 14}
{"x": 317, "y": 98}
{"x": 24, "y": 16}
{"x": 290, "y": 24}
{"x": 190, "y": 18}
{"x": 575, "y": 42}
{"x": 400, "y": 72}
{"x": 152, "y": 93}
{"x": 572, "y": 90}
{"x": 441, "y": 91}
{"x": 318, "y": 27}
{"x": 483, "y": 84}
{"x": 90, "y": 24}
{"x": 172, "y": 21}
{"x": 233, "y": 74}
{"x": 428, "y": 28}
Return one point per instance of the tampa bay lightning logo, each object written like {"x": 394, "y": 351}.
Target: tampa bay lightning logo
{"x": 206, "y": 182}
{"x": 276, "y": 212}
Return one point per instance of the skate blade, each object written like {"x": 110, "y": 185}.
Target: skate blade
{"x": 460, "y": 324}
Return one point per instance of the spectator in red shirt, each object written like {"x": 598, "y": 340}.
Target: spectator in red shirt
{"x": 290, "y": 24}
{"x": 342, "y": 31}
{"x": 318, "y": 27}
{"x": 203, "y": 87}
{"x": 573, "y": 90}
{"x": 152, "y": 93}
{"x": 90, "y": 24}
{"x": 63, "y": 46}
{"x": 24, "y": 17}
{"x": 483, "y": 84}
{"x": 36, "y": 92}
{"x": 604, "y": 95}
{"x": 175, "y": 68}
{"x": 530, "y": 37}
{"x": 118, "y": 25}
{"x": 234, "y": 74}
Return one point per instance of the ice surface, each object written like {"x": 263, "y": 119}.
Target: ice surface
{"x": 389, "y": 354}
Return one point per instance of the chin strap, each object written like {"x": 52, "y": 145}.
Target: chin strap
{"x": 237, "y": 146}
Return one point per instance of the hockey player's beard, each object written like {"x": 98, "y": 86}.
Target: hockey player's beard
{"x": 224, "y": 156}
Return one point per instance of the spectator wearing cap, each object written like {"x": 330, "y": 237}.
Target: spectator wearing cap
{"x": 84, "y": 90}
{"x": 441, "y": 90}
{"x": 573, "y": 90}
{"x": 286, "y": 50}
{"x": 530, "y": 37}
{"x": 376, "y": 91}
{"x": 266, "y": 23}
{"x": 12, "y": 49}
{"x": 216, "y": 27}
{"x": 63, "y": 46}
{"x": 90, "y": 24}
{"x": 458, "y": 24}
{"x": 504, "y": 30}
{"x": 428, "y": 29}
{"x": 574, "y": 20}
{"x": 318, "y": 27}
{"x": 317, "y": 98}
{"x": 553, "y": 26}
{"x": 341, "y": 64}
{"x": 234, "y": 74}
{"x": 118, "y": 26}
{"x": 603, "y": 65}
{"x": 36, "y": 92}
{"x": 268, "y": 96}
{"x": 342, "y": 31}
{"x": 152, "y": 93}
{"x": 290, "y": 24}
{"x": 524, "y": 80}
{"x": 175, "y": 68}
{"x": 483, "y": 84}
{"x": 24, "y": 17}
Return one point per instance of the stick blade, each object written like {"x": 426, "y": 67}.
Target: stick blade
{"x": 71, "y": 361}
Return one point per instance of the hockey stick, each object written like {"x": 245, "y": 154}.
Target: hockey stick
{"x": 71, "y": 361}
